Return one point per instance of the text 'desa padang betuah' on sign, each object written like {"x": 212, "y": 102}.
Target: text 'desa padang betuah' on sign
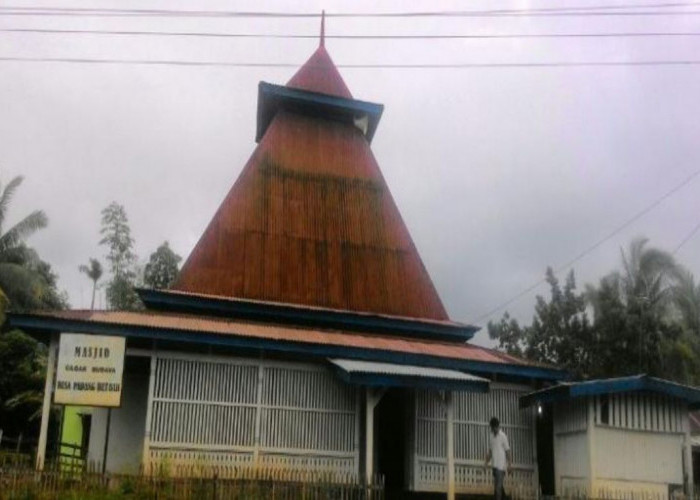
{"x": 89, "y": 370}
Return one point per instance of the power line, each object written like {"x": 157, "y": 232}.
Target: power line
{"x": 685, "y": 240}
{"x": 156, "y": 62}
{"x": 361, "y": 14}
{"x": 597, "y": 244}
{"x": 193, "y": 14}
{"x": 600, "y": 10}
{"x": 347, "y": 37}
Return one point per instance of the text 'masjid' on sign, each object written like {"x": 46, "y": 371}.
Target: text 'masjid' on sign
{"x": 89, "y": 371}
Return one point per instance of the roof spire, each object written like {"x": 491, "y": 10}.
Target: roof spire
{"x": 322, "y": 41}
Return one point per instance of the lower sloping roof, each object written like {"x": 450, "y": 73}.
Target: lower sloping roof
{"x": 636, "y": 383}
{"x": 281, "y": 338}
{"x": 369, "y": 373}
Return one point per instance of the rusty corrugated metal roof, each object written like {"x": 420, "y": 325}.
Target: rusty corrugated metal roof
{"x": 301, "y": 307}
{"x": 310, "y": 336}
{"x": 311, "y": 221}
{"x": 319, "y": 74}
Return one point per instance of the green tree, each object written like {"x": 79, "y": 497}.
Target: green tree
{"x": 20, "y": 282}
{"x": 49, "y": 295}
{"x": 162, "y": 267}
{"x": 632, "y": 312}
{"x": 686, "y": 300}
{"x": 94, "y": 272}
{"x": 510, "y": 336}
{"x": 116, "y": 235}
{"x": 645, "y": 319}
{"x": 22, "y": 370}
{"x": 683, "y": 354}
{"x": 560, "y": 333}
{"x": 27, "y": 283}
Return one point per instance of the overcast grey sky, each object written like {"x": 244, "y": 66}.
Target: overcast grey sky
{"x": 497, "y": 172}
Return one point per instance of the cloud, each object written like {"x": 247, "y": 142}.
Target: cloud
{"x": 498, "y": 173}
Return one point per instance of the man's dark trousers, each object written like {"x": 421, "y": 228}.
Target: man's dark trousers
{"x": 499, "y": 492}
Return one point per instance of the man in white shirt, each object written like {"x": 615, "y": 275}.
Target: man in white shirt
{"x": 500, "y": 457}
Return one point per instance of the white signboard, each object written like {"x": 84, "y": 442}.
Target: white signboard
{"x": 89, "y": 371}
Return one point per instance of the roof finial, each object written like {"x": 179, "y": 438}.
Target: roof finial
{"x": 322, "y": 41}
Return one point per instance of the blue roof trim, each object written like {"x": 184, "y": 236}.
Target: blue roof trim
{"x": 160, "y": 300}
{"x": 271, "y": 98}
{"x": 598, "y": 387}
{"x": 387, "y": 380}
{"x": 41, "y": 324}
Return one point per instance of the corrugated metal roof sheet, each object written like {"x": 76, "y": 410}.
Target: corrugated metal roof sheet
{"x": 311, "y": 221}
{"x": 634, "y": 383}
{"x": 302, "y": 315}
{"x": 356, "y": 366}
{"x": 303, "y": 336}
{"x": 303, "y": 307}
{"x": 319, "y": 74}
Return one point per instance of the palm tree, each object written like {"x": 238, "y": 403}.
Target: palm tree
{"x": 19, "y": 281}
{"x": 647, "y": 277}
{"x": 645, "y": 281}
{"x": 686, "y": 298}
{"x": 632, "y": 309}
{"x": 94, "y": 272}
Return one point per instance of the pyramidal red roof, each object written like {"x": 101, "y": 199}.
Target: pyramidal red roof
{"x": 319, "y": 74}
{"x": 311, "y": 221}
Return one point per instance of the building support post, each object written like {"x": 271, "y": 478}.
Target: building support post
{"x": 46, "y": 406}
{"x": 105, "y": 450}
{"x": 687, "y": 458}
{"x": 146, "y": 464}
{"x": 372, "y": 398}
{"x": 257, "y": 443}
{"x": 535, "y": 462}
{"x": 449, "y": 403}
{"x": 590, "y": 432}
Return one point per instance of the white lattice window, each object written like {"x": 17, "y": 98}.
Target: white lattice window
{"x": 639, "y": 411}
{"x": 472, "y": 412}
{"x": 238, "y": 412}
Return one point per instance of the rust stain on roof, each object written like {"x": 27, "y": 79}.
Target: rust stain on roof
{"x": 311, "y": 221}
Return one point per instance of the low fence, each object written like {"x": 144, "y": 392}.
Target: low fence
{"x": 13, "y": 460}
{"x": 15, "y": 452}
{"x": 16, "y": 484}
{"x": 71, "y": 458}
{"x": 18, "y": 444}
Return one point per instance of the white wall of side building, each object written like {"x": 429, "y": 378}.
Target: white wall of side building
{"x": 571, "y": 448}
{"x": 637, "y": 460}
{"x": 629, "y": 444}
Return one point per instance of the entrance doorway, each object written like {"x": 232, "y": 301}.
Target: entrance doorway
{"x": 390, "y": 437}
{"x": 545, "y": 448}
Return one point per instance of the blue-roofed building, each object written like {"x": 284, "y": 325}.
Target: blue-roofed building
{"x": 618, "y": 437}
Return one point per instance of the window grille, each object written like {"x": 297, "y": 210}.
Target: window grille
{"x": 640, "y": 411}
{"x": 238, "y": 412}
{"x": 471, "y": 433}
